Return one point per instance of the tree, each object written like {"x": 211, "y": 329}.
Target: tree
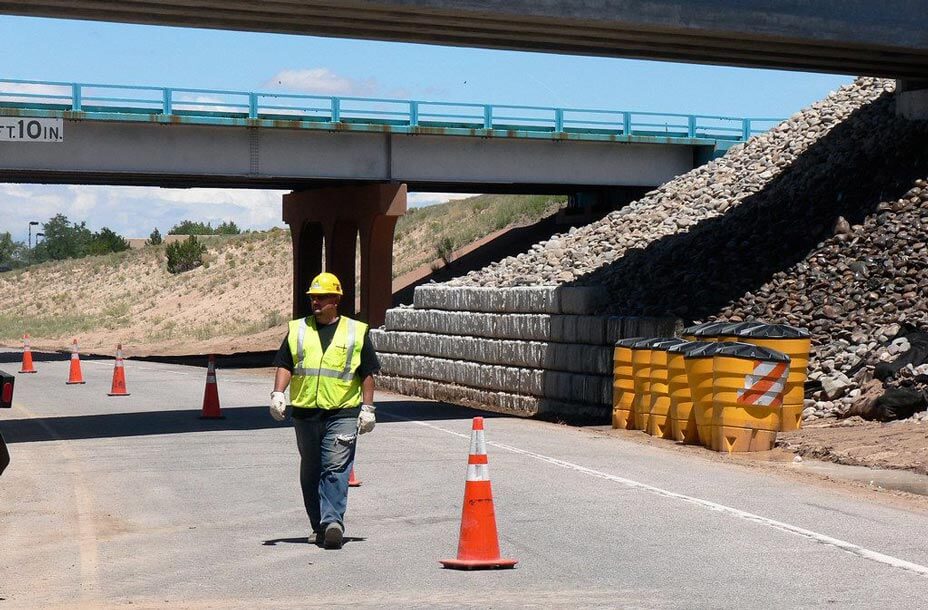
{"x": 155, "y": 238}
{"x": 12, "y": 253}
{"x": 184, "y": 255}
{"x": 189, "y": 227}
{"x": 63, "y": 239}
{"x": 106, "y": 241}
{"x": 228, "y": 228}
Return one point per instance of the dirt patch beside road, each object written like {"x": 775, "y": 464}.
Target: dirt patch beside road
{"x": 901, "y": 445}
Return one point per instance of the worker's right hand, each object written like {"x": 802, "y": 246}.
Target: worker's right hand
{"x": 278, "y": 405}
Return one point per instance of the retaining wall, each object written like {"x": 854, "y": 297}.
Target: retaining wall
{"x": 528, "y": 351}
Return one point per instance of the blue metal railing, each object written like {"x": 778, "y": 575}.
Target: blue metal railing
{"x": 213, "y": 106}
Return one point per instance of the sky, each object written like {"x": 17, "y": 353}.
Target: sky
{"x": 94, "y": 52}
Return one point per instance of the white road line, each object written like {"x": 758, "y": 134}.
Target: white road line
{"x": 720, "y": 508}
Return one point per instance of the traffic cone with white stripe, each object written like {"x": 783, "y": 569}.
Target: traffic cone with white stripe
{"x": 75, "y": 376}
{"x": 27, "y": 367}
{"x": 119, "y": 375}
{"x": 353, "y": 482}
{"x": 211, "y": 408}
{"x": 478, "y": 545}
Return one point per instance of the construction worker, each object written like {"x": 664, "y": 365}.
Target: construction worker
{"x": 329, "y": 363}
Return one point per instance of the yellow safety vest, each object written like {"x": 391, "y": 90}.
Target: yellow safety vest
{"x": 326, "y": 380}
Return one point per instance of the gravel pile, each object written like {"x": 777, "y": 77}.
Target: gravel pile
{"x": 688, "y": 201}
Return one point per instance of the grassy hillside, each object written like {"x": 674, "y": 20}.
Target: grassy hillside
{"x": 239, "y": 300}
{"x": 422, "y": 232}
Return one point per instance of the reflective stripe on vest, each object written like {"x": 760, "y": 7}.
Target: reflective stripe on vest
{"x": 333, "y": 383}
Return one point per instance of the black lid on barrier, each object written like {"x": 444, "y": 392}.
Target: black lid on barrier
{"x": 750, "y": 352}
{"x": 775, "y": 331}
{"x": 710, "y": 348}
{"x": 649, "y": 342}
{"x": 628, "y": 342}
{"x": 666, "y": 344}
{"x": 710, "y": 329}
{"x": 688, "y": 346}
{"x": 691, "y": 330}
{"x": 734, "y": 330}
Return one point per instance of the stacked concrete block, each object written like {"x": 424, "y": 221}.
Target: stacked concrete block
{"x": 523, "y": 350}
{"x": 547, "y": 327}
{"x": 570, "y": 357}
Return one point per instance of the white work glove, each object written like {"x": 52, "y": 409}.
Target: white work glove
{"x": 366, "y": 419}
{"x": 278, "y": 405}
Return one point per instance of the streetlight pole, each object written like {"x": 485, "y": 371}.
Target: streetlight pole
{"x": 32, "y": 223}
{"x": 37, "y": 236}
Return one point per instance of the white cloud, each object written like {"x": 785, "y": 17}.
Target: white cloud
{"x": 206, "y": 103}
{"x": 54, "y": 94}
{"x": 322, "y": 81}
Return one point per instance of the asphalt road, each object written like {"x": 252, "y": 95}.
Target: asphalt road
{"x": 112, "y": 502}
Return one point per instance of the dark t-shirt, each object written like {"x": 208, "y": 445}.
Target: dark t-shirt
{"x": 369, "y": 365}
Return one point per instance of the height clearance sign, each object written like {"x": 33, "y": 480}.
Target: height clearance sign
{"x": 15, "y": 129}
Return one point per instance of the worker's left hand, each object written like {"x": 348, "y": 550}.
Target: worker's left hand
{"x": 366, "y": 419}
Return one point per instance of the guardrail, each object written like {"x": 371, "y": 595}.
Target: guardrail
{"x": 212, "y": 106}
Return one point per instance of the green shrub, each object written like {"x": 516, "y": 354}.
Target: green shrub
{"x": 155, "y": 238}
{"x": 184, "y": 255}
{"x": 445, "y": 248}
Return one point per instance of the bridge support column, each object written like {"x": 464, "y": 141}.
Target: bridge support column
{"x": 912, "y": 99}
{"x": 332, "y": 219}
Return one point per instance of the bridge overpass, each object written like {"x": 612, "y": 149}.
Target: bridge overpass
{"x": 838, "y": 36}
{"x": 348, "y": 159}
{"x": 159, "y": 136}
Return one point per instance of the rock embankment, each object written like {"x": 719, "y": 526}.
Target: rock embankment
{"x": 819, "y": 223}
{"x": 706, "y": 192}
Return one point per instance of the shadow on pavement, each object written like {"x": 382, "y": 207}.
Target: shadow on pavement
{"x": 17, "y": 357}
{"x": 305, "y": 540}
{"x": 145, "y": 423}
{"x": 276, "y": 541}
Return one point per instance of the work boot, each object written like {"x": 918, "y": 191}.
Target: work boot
{"x": 333, "y": 536}
{"x": 318, "y": 536}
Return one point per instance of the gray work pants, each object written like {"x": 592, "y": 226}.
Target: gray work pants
{"x": 326, "y": 455}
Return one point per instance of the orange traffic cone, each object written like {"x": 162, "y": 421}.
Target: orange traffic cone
{"x": 211, "y": 408}
{"x": 353, "y": 482}
{"x": 27, "y": 357}
{"x": 119, "y": 375}
{"x": 478, "y": 546}
{"x": 75, "y": 376}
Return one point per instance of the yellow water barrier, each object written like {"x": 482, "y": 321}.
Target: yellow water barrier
{"x": 659, "y": 411}
{"x": 709, "y": 331}
{"x": 623, "y": 385}
{"x": 689, "y": 333}
{"x": 682, "y": 416}
{"x": 641, "y": 370}
{"x": 698, "y": 364}
{"x": 795, "y": 343}
{"x": 748, "y": 386}
{"x": 730, "y": 332}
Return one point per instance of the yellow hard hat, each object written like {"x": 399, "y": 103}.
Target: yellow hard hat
{"x": 325, "y": 283}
